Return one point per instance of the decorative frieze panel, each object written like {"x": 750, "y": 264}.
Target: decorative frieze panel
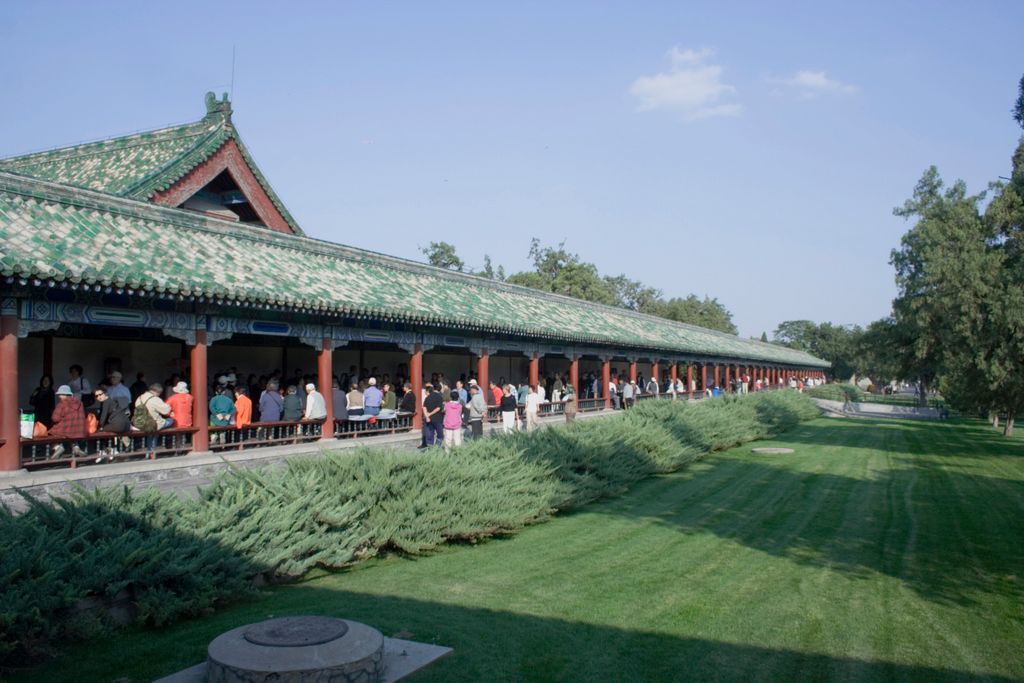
{"x": 37, "y": 315}
{"x": 524, "y": 347}
{"x": 344, "y": 335}
{"x": 219, "y": 328}
{"x": 449, "y": 341}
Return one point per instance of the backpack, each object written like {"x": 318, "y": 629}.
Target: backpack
{"x": 142, "y": 420}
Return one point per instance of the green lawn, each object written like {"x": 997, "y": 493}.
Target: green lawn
{"x": 879, "y": 550}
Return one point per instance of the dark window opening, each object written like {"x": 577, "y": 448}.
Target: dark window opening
{"x": 222, "y": 198}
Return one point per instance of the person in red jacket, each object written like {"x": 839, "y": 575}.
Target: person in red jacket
{"x": 181, "y": 405}
{"x": 68, "y": 421}
{"x": 495, "y": 393}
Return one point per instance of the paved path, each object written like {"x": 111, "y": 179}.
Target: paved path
{"x": 857, "y": 409}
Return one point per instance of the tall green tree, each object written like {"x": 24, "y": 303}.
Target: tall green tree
{"x": 877, "y": 351}
{"x": 632, "y": 294}
{"x": 490, "y": 272}
{"x": 442, "y": 255}
{"x": 1004, "y": 329}
{"x": 936, "y": 258}
{"x": 835, "y": 343}
{"x": 560, "y": 271}
{"x": 706, "y": 312}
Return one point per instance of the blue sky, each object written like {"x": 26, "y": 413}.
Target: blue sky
{"x": 752, "y": 152}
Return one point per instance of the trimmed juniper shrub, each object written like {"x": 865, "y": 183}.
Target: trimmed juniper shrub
{"x": 166, "y": 557}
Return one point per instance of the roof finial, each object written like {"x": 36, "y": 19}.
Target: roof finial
{"x": 218, "y": 108}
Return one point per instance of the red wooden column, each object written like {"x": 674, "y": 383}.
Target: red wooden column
{"x": 632, "y": 371}
{"x": 703, "y": 379}
{"x": 483, "y": 371}
{"x": 689, "y": 380}
{"x": 728, "y": 378}
{"x": 534, "y": 370}
{"x": 673, "y": 376}
{"x": 717, "y": 375}
{"x": 574, "y": 375}
{"x": 325, "y": 378}
{"x": 10, "y": 416}
{"x": 416, "y": 376}
{"x": 200, "y": 402}
{"x": 606, "y": 377}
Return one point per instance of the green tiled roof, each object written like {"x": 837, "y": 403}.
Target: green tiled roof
{"x": 58, "y": 233}
{"x": 140, "y": 165}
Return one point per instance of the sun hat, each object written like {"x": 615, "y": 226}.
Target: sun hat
{"x": 372, "y": 381}
{"x": 181, "y": 388}
{"x": 310, "y": 387}
{"x": 64, "y": 390}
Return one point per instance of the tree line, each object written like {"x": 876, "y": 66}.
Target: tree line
{"x": 557, "y": 270}
{"x": 957, "y": 323}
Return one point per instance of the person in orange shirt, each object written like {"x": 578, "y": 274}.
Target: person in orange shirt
{"x": 181, "y": 405}
{"x": 243, "y": 407}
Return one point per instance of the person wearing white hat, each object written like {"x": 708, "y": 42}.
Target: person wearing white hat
{"x": 372, "y": 398}
{"x": 180, "y": 402}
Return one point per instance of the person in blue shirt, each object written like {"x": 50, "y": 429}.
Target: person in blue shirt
{"x": 372, "y": 398}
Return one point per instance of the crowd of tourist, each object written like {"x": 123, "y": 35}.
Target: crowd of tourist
{"x": 452, "y": 410}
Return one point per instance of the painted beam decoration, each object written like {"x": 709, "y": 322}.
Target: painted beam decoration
{"x": 219, "y": 328}
{"x": 37, "y": 316}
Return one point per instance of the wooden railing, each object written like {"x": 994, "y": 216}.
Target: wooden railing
{"x": 104, "y": 447}
{"x": 262, "y": 434}
{"x": 357, "y": 426}
{"x": 50, "y": 451}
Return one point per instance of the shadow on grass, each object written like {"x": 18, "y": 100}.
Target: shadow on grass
{"x": 950, "y": 536}
{"x": 496, "y": 646}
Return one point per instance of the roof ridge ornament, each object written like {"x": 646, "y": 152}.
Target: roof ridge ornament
{"x": 217, "y": 109}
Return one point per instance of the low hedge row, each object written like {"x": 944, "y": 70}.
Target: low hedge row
{"x": 168, "y": 557}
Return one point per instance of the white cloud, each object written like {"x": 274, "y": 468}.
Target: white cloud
{"x": 688, "y": 56}
{"x": 810, "y": 83}
{"x": 690, "y": 87}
